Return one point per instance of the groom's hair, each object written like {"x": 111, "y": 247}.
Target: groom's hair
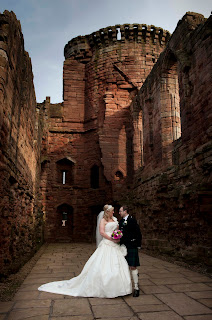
{"x": 125, "y": 208}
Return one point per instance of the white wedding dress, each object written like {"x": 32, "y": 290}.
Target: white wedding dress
{"x": 105, "y": 275}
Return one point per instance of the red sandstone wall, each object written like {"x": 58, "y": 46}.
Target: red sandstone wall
{"x": 101, "y": 76}
{"x": 114, "y": 72}
{"x": 172, "y": 190}
{"x": 165, "y": 137}
{"x": 81, "y": 150}
{"x": 19, "y": 149}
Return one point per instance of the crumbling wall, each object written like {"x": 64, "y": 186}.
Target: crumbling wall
{"x": 20, "y": 136}
{"x": 172, "y": 192}
{"x": 91, "y": 128}
{"x": 134, "y": 127}
{"x": 102, "y": 74}
{"x": 74, "y": 153}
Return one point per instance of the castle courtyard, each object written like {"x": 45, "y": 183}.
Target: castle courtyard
{"x": 168, "y": 291}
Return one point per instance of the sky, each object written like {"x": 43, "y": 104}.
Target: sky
{"x": 47, "y": 25}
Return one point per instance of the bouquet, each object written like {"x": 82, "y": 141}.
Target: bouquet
{"x": 117, "y": 234}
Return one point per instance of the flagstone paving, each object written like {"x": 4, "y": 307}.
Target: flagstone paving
{"x": 168, "y": 291}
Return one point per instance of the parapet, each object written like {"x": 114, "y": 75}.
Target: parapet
{"x": 81, "y": 46}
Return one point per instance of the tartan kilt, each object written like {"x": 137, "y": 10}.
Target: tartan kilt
{"x": 132, "y": 257}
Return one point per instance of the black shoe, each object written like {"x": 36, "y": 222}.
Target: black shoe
{"x": 136, "y": 293}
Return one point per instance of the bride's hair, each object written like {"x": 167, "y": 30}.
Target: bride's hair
{"x": 107, "y": 209}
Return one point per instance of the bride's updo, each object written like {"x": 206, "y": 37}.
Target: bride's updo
{"x": 107, "y": 209}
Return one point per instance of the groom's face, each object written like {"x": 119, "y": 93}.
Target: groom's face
{"x": 122, "y": 212}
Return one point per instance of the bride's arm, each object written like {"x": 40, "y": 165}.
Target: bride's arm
{"x": 102, "y": 230}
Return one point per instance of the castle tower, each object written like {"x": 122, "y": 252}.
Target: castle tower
{"x": 89, "y": 140}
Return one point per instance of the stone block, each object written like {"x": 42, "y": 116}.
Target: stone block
{"x": 121, "y": 310}
{"x": 163, "y": 315}
{"x": 30, "y": 313}
{"x": 183, "y": 305}
{"x": 72, "y": 307}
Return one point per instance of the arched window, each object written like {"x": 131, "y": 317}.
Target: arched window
{"x": 94, "y": 177}
{"x": 118, "y": 175}
{"x": 65, "y": 171}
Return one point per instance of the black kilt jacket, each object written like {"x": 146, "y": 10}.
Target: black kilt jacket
{"x": 132, "y": 236}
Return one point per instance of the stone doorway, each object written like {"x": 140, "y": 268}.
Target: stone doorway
{"x": 64, "y": 223}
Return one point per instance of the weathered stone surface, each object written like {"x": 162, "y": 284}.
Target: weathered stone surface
{"x": 147, "y": 306}
{"x": 35, "y": 314}
{"x": 133, "y": 122}
{"x": 189, "y": 287}
{"x": 202, "y": 317}
{"x": 134, "y": 128}
{"x": 91, "y": 127}
{"x": 151, "y": 289}
{"x": 172, "y": 193}
{"x": 73, "y": 307}
{"x": 20, "y": 140}
{"x": 87, "y": 317}
{"x": 6, "y": 306}
{"x": 32, "y": 304}
{"x": 182, "y": 304}
{"x": 165, "y": 315}
{"x": 150, "y": 308}
{"x": 119, "y": 309}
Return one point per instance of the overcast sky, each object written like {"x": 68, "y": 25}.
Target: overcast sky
{"x": 47, "y": 26}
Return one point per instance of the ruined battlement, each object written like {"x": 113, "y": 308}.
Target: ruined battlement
{"x": 192, "y": 19}
{"x": 8, "y": 22}
{"x": 140, "y": 33}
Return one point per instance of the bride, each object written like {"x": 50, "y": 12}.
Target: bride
{"x": 106, "y": 273}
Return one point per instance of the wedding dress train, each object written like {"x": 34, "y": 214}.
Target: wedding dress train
{"x": 105, "y": 275}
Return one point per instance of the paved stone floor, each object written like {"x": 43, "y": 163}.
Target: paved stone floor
{"x": 168, "y": 292}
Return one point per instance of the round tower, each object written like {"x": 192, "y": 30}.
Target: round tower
{"x": 103, "y": 71}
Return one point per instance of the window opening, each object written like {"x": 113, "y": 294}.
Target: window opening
{"x": 95, "y": 177}
{"x": 64, "y": 218}
{"x": 118, "y": 34}
{"x": 65, "y": 171}
{"x": 118, "y": 175}
{"x": 64, "y": 177}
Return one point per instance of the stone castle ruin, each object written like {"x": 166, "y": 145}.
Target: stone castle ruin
{"x": 134, "y": 127}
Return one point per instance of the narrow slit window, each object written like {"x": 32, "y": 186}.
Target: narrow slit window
{"x": 64, "y": 177}
{"x": 118, "y": 34}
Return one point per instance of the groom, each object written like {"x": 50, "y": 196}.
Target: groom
{"x": 132, "y": 240}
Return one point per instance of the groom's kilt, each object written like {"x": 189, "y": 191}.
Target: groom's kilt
{"x": 132, "y": 257}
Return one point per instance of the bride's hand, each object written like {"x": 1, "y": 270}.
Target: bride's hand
{"x": 116, "y": 240}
